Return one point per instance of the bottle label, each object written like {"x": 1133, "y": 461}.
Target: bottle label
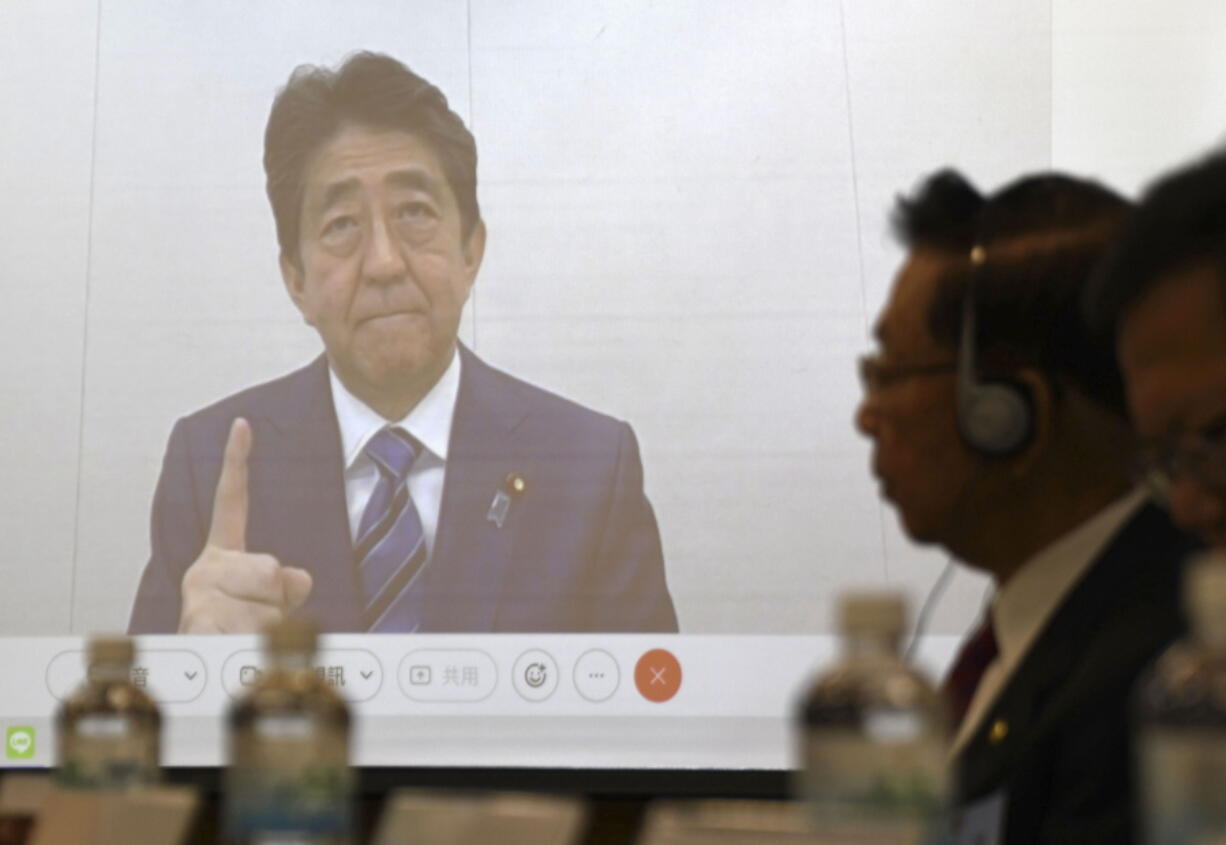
{"x": 886, "y": 784}
{"x": 1183, "y": 775}
{"x": 285, "y": 727}
{"x": 289, "y": 781}
{"x": 104, "y": 726}
{"x": 893, "y": 726}
{"x": 106, "y": 752}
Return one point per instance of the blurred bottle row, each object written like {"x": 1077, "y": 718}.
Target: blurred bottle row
{"x": 873, "y": 733}
{"x": 289, "y": 778}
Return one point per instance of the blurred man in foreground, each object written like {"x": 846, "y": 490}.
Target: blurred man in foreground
{"x": 999, "y": 434}
{"x": 1161, "y": 296}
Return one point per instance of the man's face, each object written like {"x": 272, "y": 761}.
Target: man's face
{"x": 1172, "y": 350}
{"x": 382, "y": 270}
{"x": 910, "y": 414}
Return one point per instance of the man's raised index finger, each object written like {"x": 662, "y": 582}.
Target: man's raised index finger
{"x": 228, "y": 529}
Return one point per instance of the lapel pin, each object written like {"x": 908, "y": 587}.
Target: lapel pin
{"x": 513, "y": 485}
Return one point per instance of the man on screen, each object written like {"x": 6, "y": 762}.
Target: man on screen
{"x": 999, "y": 434}
{"x": 397, "y": 483}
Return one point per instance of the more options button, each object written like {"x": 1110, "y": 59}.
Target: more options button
{"x": 169, "y": 675}
{"x": 597, "y": 675}
{"x": 447, "y": 675}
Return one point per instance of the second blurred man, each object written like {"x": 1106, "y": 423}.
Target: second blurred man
{"x": 1162, "y": 295}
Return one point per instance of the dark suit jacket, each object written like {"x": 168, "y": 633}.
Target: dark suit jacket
{"x": 578, "y": 551}
{"x": 1065, "y": 763}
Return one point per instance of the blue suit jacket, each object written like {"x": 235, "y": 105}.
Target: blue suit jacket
{"x": 578, "y": 551}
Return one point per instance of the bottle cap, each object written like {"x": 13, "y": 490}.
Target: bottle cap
{"x": 1204, "y": 591}
{"x": 290, "y": 636}
{"x": 880, "y": 612}
{"x": 111, "y": 649}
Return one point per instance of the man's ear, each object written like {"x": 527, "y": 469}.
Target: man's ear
{"x": 473, "y": 250}
{"x": 1038, "y": 387}
{"x": 295, "y": 284}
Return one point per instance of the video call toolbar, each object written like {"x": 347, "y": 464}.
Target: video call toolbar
{"x": 558, "y": 700}
{"x": 456, "y": 675}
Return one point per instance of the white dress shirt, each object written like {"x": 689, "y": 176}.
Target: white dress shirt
{"x": 429, "y": 422}
{"x": 1021, "y": 607}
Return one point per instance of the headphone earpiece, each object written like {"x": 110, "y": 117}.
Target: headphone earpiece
{"x": 995, "y": 416}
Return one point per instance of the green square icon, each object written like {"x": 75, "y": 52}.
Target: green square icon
{"x": 19, "y": 743}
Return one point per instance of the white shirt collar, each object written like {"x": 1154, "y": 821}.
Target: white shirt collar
{"x": 429, "y": 420}
{"x": 1025, "y": 603}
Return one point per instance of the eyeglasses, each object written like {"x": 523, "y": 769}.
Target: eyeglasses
{"x": 1200, "y": 455}
{"x": 876, "y": 374}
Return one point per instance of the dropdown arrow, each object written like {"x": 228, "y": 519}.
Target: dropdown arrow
{"x": 191, "y": 676}
{"x": 366, "y": 675}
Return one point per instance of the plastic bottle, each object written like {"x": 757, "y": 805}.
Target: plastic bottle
{"x": 289, "y": 780}
{"x": 108, "y": 730}
{"x": 1181, "y": 721}
{"x": 874, "y": 736}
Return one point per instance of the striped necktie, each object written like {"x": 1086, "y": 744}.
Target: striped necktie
{"x": 391, "y": 548}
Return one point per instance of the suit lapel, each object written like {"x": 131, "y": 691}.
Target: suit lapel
{"x": 298, "y": 507}
{"x": 1000, "y": 737}
{"x": 1026, "y": 704}
{"x": 471, "y": 552}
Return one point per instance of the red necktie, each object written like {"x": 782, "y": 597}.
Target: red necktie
{"x": 963, "y": 679}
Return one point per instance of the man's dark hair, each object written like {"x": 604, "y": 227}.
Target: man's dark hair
{"x": 370, "y": 90}
{"x": 1179, "y": 224}
{"x": 943, "y": 214}
{"x": 1042, "y": 236}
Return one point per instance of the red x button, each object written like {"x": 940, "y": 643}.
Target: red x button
{"x": 658, "y": 675}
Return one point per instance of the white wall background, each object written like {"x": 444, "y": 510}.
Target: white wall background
{"x": 686, "y": 203}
